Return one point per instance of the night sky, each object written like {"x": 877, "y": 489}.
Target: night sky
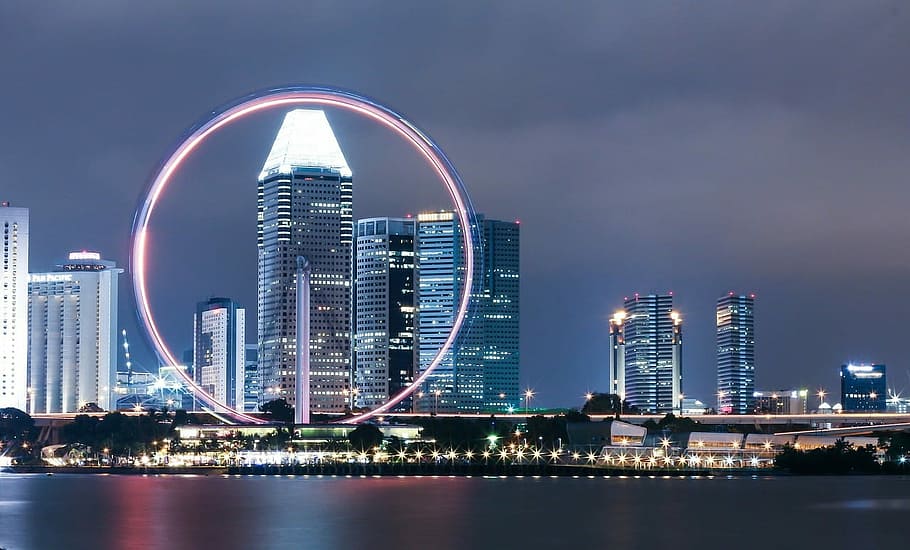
{"x": 698, "y": 147}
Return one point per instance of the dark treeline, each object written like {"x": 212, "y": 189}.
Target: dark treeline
{"x": 119, "y": 433}
{"x": 844, "y": 458}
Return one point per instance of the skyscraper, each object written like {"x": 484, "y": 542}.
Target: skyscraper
{"x": 251, "y": 378}
{"x": 500, "y": 301}
{"x": 219, "y": 350}
{"x": 863, "y": 388}
{"x": 652, "y": 336}
{"x": 305, "y": 208}
{"x": 72, "y": 335}
{"x": 482, "y": 368}
{"x": 384, "y": 289}
{"x": 13, "y": 307}
{"x": 618, "y": 355}
{"x": 736, "y": 354}
{"x": 457, "y": 382}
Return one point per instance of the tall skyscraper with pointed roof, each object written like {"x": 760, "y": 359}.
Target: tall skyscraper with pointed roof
{"x": 305, "y": 208}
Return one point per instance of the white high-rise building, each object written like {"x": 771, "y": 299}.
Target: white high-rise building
{"x": 13, "y": 307}
{"x": 72, "y": 335}
{"x": 219, "y": 350}
{"x": 305, "y": 208}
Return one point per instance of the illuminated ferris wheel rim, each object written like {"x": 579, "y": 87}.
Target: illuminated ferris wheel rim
{"x": 286, "y": 97}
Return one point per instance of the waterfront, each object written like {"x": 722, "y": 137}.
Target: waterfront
{"x": 100, "y": 511}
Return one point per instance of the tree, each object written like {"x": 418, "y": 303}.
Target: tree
{"x": 279, "y": 410}
{"x": 575, "y": 416}
{"x": 15, "y": 424}
{"x": 463, "y": 432}
{"x": 547, "y": 431}
{"x": 673, "y": 424}
{"x": 840, "y": 458}
{"x": 607, "y": 403}
{"x": 181, "y": 418}
{"x": 82, "y": 429}
{"x": 897, "y": 444}
{"x": 116, "y": 431}
{"x": 277, "y": 440}
{"x": 365, "y": 436}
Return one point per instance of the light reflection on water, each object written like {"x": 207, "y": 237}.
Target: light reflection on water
{"x": 214, "y": 512}
{"x": 901, "y": 504}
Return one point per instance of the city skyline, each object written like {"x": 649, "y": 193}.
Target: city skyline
{"x": 816, "y": 154}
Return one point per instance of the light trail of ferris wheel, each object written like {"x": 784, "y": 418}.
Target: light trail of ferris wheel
{"x": 286, "y": 97}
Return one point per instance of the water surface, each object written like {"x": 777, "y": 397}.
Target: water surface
{"x": 213, "y": 512}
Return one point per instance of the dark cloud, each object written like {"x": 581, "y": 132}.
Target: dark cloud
{"x": 692, "y": 146}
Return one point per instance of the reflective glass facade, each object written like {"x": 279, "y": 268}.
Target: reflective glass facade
{"x": 481, "y": 371}
{"x": 736, "y": 354}
{"x": 863, "y": 388}
{"x": 500, "y": 306}
{"x": 384, "y": 290}
{"x": 652, "y": 348}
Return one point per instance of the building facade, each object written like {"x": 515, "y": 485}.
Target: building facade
{"x": 72, "y": 335}
{"x": 735, "y": 317}
{"x": 481, "y": 370}
{"x": 863, "y": 388}
{"x": 454, "y": 385}
{"x": 501, "y": 314}
{"x": 251, "y": 378}
{"x": 14, "y": 385}
{"x": 384, "y": 298}
{"x": 652, "y": 353}
{"x": 219, "y": 350}
{"x": 781, "y": 402}
{"x": 617, "y": 373}
{"x": 305, "y": 208}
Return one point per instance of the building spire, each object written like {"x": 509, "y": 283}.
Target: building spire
{"x": 305, "y": 140}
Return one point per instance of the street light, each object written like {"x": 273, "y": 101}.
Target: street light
{"x": 436, "y": 393}
{"x": 528, "y": 395}
{"x": 821, "y": 398}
